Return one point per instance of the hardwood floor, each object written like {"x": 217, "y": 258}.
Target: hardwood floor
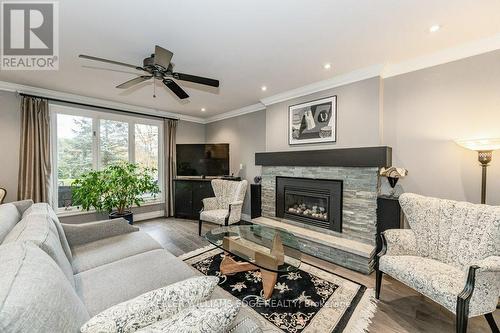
{"x": 400, "y": 309}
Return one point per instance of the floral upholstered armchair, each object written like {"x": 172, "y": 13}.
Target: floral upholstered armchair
{"x": 225, "y": 207}
{"x": 451, "y": 254}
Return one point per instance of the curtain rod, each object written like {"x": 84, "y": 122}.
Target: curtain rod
{"x": 96, "y": 106}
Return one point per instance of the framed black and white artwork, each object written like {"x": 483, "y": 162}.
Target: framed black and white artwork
{"x": 313, "y": 122}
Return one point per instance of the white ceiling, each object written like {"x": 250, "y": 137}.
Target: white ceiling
{"x": 282, "y": 44}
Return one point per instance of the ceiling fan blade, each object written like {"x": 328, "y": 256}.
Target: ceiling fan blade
{"x": 176, "y": 89}
{"x": 84, "y": 56}
{"x": 162, "y": 56}
{"x": 196, "y": 79}
{"x": 134, "y": 81}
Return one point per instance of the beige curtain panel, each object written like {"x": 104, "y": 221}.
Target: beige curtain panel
{"x": 34, "y": 158}
{"x": 170, "y": 130}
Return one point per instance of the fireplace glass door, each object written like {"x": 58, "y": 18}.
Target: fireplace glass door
{"x": 307, "y": 205}
{"x": 314, "y": 202}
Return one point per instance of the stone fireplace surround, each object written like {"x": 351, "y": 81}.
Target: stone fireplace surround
{"x": 358, "y": 169}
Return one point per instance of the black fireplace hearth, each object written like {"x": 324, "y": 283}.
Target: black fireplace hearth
{"x": 317, "y": 202}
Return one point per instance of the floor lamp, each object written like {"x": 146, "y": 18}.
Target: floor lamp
{"x": 484, "y": 148}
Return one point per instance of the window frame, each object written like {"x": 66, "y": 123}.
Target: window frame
{"x": 96, "y": 117}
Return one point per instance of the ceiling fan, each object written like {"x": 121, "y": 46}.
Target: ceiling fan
{"x": 159, "y": 66}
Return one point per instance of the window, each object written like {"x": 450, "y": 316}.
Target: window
{"x": 113, "y": 142}
{"x": 85, "y": 140}
{"x": 146, "y": 145}
{"x": 74, "y": 153}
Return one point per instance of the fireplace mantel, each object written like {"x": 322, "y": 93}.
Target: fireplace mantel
{"x": 342, "y": 157}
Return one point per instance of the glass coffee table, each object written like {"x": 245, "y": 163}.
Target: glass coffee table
{"x": 267, "y": 249}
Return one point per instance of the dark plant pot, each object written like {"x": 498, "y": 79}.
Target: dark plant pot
{"x": 129, "y": 216}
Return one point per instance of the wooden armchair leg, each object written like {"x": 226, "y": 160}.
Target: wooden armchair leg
{"x": 462, "y": 315}
{"x": 378, "y": 283}
{"x": 226, "y": 220}
{"x": 378, "y": 273}
{"x": 491, "y": 322}
{"x": 200, "y": 221}
{"x": 463, "y": 299}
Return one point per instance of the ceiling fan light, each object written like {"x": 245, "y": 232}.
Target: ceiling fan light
{"x": 434, "y": 28}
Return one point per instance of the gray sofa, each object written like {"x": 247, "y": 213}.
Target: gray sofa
{"x": 54, "y": 276}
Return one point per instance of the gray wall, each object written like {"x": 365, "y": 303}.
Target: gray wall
{"x": 246, "y": 135}
{"x": 358, "y": 117}
{"x": 188, "y": 132}
{"x": 10, "y": 123}
{"x": 425, "y": 110}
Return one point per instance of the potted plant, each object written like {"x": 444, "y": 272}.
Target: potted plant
{"x": 115, "y": 189}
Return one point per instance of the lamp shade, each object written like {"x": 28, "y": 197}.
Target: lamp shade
{"x": 393, "y": 172}
{"x": 480, "y": 144}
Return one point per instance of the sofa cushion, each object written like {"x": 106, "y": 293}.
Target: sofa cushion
{"x": 9, "y": 216}
{"x": 88, "y": 232}
{"x": 119, "y": 281}
{"x": 45, "y": 209}
{"x": 111, "y": 249}
{"x": 22, "y": 205}
{"x": 40, "y": 229}
{"x": 152, "y": 306}
{"x": 214, "y": 316}
{"x": 35, "y": 296}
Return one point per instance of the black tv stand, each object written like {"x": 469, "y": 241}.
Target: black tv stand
{"x": 189, "y": 193}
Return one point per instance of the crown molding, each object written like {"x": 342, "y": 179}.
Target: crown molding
{"x": 98, "y": 102}
{"x": 336, "y": 81}
{"x": 238, "y": 112}
{"x": 462, "y": 51}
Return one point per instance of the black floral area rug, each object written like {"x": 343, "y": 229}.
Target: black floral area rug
{"x": 306, "y": 300}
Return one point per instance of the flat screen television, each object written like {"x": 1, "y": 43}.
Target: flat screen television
{"x": 203, "y": 159}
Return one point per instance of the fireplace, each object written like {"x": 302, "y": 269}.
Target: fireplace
{"x": 316, "y": 202}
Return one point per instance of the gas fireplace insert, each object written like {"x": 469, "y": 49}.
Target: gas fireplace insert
{"x": 317, "y": 202}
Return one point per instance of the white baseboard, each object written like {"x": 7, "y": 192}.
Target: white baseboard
{"x": 149, "y": 215}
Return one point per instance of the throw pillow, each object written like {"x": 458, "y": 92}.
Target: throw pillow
{"x": 214, "y": 316}
{"x": 247, "y": 325}
{"x": 152, "y": 306}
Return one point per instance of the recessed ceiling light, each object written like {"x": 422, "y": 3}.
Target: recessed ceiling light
{"x": 327, "y": 66}
{"x": 263, "y": 88}
{"x": 203, "y": 110}
{"x": 435, "y": 28}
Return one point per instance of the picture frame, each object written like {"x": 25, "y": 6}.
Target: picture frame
{"x": 313, "y": 122}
